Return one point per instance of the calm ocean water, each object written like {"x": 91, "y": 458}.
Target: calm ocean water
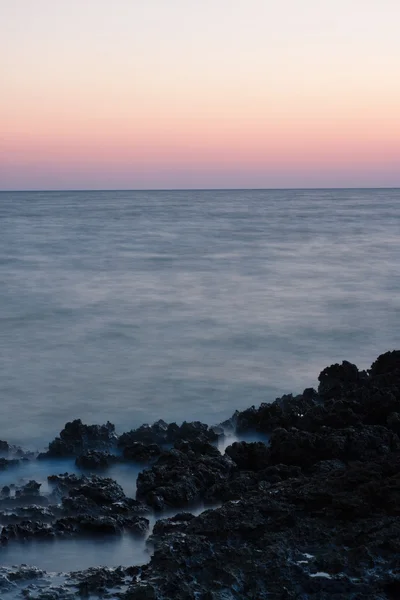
{"x": 135, "y": 306}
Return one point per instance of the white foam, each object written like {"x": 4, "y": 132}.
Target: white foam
{"x": 321, "y": 574}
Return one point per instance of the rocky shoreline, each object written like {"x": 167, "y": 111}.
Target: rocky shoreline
{"x": 312, "y": 514}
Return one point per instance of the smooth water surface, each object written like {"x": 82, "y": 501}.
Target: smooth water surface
{"x": 135, "y": 306}
{"x": 38, "y": 470}
{"x": 75, "y": 554}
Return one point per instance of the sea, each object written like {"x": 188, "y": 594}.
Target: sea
{"x": 131, "y": 306}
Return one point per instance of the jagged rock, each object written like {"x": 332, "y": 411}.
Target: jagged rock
{"x": 87, "y": 525}
{"x": 287, "y": 411}
{"x": 161, "y": 433}
{"x": 103, "y": 491}
{"x": 181, "y": 477}
{"x": 76, "y": 438}
{"x": 253, "y": 456}
{"x": 4, "y": 447}
{"x": 139, "y": 452}
{"x": 317, "y": 537}
{"x": 26, "y": 530}
{"x": 389, "y": 362}
{"x": 335, "y": 379}
{"x": 296, "y": 447}
{"x": 94, "y": 495}
{"x": 32, "y": 487}
{"x": 98, "y": 579}
{"x": 146, "y": 434}
{"x": 95, "y": 459}
{"x": 314, "y": 515}
{"x": 171, "y": 524}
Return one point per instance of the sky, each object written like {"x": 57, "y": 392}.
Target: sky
{"x": 155, "y": 94}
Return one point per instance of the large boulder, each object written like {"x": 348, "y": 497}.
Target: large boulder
{"x": 77, "y": 438}
{"x": 336, "y": 379}
{"x": 139, "y": 452}
{"x": 386, "y": 363}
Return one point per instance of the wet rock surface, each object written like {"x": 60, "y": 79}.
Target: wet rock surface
{"x": 315, "y": 514}
{"x": 86, "y": 505}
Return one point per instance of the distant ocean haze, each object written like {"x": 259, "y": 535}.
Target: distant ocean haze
{"x": 135, "y": 306}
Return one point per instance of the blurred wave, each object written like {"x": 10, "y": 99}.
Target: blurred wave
{"x": 135, "y": 306}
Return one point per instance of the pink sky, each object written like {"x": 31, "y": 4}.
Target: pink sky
{"x": 121, "y": 96}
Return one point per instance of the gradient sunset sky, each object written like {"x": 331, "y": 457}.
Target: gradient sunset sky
{"x": 107, "y": 94}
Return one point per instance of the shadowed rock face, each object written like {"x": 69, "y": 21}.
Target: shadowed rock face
{"x": 313, "y": 515}
{"x": 76, "y": 438}
{"x": 95, "y": 459}
{"x": 182, "y": 475}
{"x": 4, "y": 447}
{"x": 139, "y": 452}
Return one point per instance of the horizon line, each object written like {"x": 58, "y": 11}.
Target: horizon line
{"x": 217, "y": 189}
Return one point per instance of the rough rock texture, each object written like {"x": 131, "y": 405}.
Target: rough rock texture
{"x": 253, "y": 456}
{"x": 182, "y": 475}
{"x": 76, "y": 438}
{"x": 89, "y": 505}
{"x": 139, "y": 452}
{"x": 313, "y": 515}
{"x": 95, "y": 459}
{"x": 163, "y": 433}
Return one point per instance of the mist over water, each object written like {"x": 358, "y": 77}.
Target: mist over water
{"x": 135, "y": 306}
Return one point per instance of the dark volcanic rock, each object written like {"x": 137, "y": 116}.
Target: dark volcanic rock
{"x": 87, "y": 524}
{"x": 253, "y": 456}
{"x": 77, "y": 438}
{"x": 322, "y": 537}
{"x": 32, "y": 487}
{"x": 90, "y": 505}
{"x": 139, "y": 452}
{"x": 296, "y": 447}
{"x": 98, "y": 580}
{"x": 171, "y": 524}
{"x": 4, "y": 447}
{"x": 336, "y": 379}
{"x": 346, "y": 397}
{"x": 182, "y": 476}
{"x": 146, "y": 434}
{"x": 162, "y": 433}
{"x": 99, "y": 524}
{"x": 388, "y": 363}
{"x": 26, "y": 530}
{"x": 287, "y": 411}
{"x": 95, "y": 459}
{"x": 314, "y": 515}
